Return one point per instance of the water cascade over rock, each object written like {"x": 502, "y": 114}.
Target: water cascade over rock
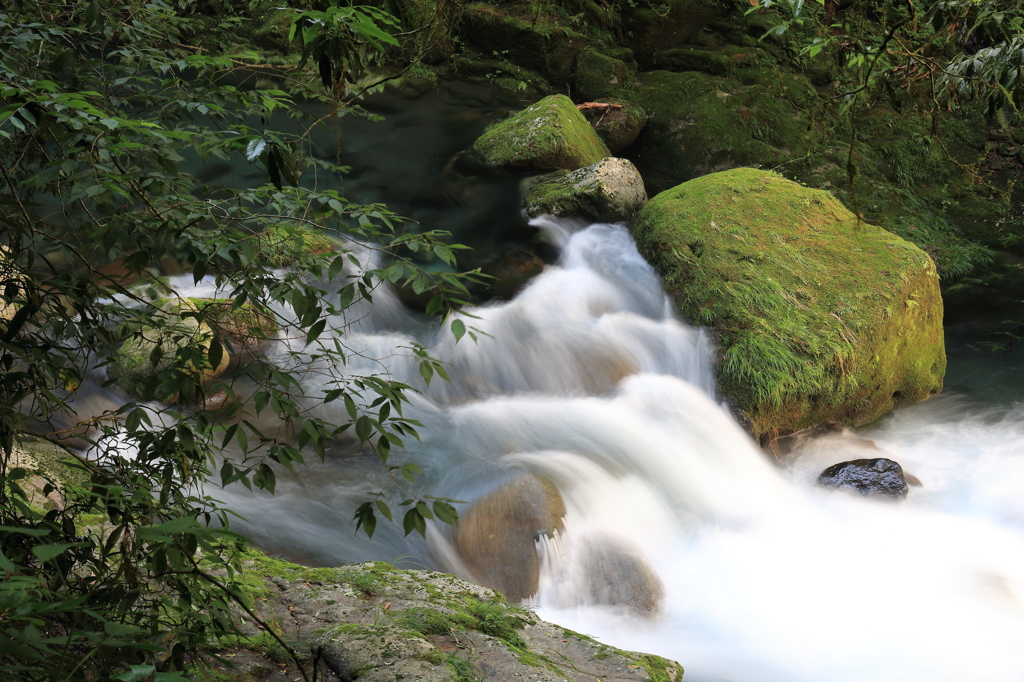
{"x": 587, "y": 379}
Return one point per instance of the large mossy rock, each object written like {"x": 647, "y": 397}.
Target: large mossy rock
{"x": 496, "y": 534}
{"x": 549, "y": 135}
{"x": 821, "y": 317}
{"x": 598, "y": 75}
{"x": 700, "y": 124}
{"x": 541, "y": 47}
{"x": 608, "y": 191}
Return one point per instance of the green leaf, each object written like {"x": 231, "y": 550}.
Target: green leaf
{"x": 445, "y": 512}
{"x": 426, "y": 371}
{"x": 384, "y": 509}
{"x": 458, "y": 329}
{"x": 49, "y": 552}
{"x": 363, "y": 428}
{"x": 314, "y": 332}
{"x": 414, "y": 521}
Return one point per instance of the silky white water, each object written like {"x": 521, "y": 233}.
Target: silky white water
{"x": 588, "y": 379}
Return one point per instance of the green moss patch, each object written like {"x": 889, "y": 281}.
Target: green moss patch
{"x": 820, "y": 316}
{"x": 549, "y": 135}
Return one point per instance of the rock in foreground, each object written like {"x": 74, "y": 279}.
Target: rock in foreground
{"x": 549, "y": 135}
{"x": 372, "y": 622}
{"x": 608, "y": 191}
{"x": 879, "y": 477}
{"x": 821, "y": 317}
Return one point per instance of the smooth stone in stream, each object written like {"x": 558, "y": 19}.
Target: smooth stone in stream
{"x": 879, "y": 477}
{"x": 619, "y": 575}
{"x": 496, "y": 536}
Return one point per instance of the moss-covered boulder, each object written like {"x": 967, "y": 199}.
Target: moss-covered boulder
{"x": 549, "y": 135}
{"x": 701, "y": 124}
{"x": 496, "y": 534}
{"x": 598, "y": 75}
{"x": 821, "y": 317}
{"x": 180, "y": 334}
{"x": 539, "y": 46}
{"x": 278, "y": 244}
{"x": 608, "y": 191}
{"x": 617, "y": 128}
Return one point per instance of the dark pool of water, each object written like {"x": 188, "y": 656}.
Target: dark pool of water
{"x": 403, "y": 157}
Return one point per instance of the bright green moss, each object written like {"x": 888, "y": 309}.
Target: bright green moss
{"x": 820, "y": 317}
{"x": 549, "y": 135}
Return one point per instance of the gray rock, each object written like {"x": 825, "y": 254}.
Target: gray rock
{"x": 879, "y": 477}
{"x": 608, "y": 191}
{"x": 374, "y": 623}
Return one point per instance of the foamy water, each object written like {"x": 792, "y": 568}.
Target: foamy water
{"x": 587, "y": 378}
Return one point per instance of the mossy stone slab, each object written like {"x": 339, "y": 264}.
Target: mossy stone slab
{"x": 820, "y": 317}
{"x": 608, "y": 191}
{"x": 549, "y": 135}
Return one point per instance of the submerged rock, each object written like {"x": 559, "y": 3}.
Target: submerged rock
{"x": 496, "y": 535}
{"x": 821, "y": 317}
{"x": 549, "y": 135}
{"x": 879, "y": 477}
{"x": 511, "y": 273}
{"x": 619, "y": 575}
{"x": 608, "y": 191}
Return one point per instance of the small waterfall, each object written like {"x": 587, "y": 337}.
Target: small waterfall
{"x": 588, "y": 380}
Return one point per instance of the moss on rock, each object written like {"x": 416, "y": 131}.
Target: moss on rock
{"x": 549, "y": 135}
{"x": 701, "y": 124}
{"x": 278, "y": 244}
{"x": 820, "y": 316}
{"x": 175, "y": 338}
{"x": 597, "y": 75}
{"x": 608, "y": 191}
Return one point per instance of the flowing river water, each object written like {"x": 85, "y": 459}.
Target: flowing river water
{"x": 587, "y": 378}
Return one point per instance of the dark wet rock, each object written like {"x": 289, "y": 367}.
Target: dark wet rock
{"x": 870, "y": 477}
{"x": 598, "y": 75}
{"x": 496, "y": 535}
{"x": 511, "y": 273}
{"x": 617, "y": 128}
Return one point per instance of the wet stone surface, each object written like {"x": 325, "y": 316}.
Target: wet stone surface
{"x": 879, "y": 477}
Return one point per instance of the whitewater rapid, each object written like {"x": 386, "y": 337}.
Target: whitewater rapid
{"x": 587, "y": 378}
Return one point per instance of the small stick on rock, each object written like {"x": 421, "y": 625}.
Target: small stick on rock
{"x": 602, "y": 106}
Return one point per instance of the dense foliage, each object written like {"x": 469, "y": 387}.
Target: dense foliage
{"x": 103, "y": 105}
